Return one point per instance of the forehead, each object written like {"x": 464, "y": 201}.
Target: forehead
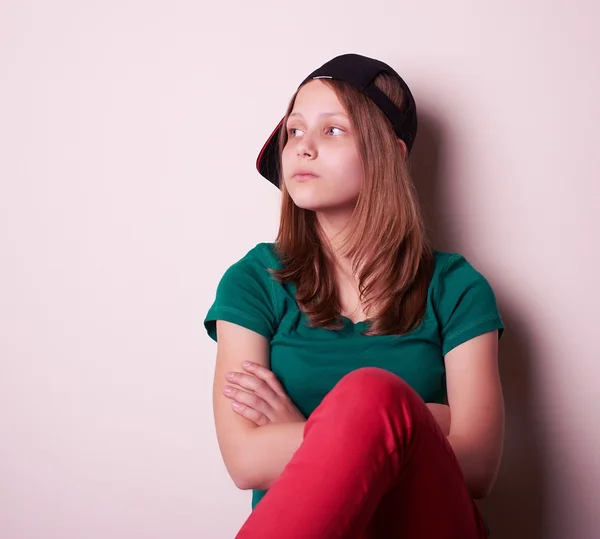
{"x": 318, "y": 96}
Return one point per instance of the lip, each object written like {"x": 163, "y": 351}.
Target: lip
{"x": 304, "y": 175}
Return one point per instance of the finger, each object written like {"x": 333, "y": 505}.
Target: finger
{"x": 267, "y": 375}
{"x": 248, "y": 399}
{"x": 250, "y": 413}
{"x": 253, "y": 383}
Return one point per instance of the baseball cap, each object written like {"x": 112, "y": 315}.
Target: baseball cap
{"x": 360, "y": 71}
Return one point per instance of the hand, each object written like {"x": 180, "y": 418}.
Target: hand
{"x": 262, "y": 400}
{"x": 441, "y": 413}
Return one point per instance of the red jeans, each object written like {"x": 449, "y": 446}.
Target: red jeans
{"x": 374, "y": 464}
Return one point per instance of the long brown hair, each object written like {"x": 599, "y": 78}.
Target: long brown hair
{"x": 388, "y": 246}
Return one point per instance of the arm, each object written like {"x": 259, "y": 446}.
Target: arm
{"x": 254, "y": 456}
{"x": 477, "y": 410}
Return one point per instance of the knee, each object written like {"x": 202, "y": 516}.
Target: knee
{"x": 370, "y": 387}
{"x": 369, "y": 403}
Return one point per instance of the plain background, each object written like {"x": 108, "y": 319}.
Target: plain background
{"x": 128, "y": 137}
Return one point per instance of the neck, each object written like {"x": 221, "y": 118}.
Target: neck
{"x": 334, "y": 231}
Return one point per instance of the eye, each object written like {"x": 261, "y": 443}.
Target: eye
{"x": 291, "y": 131}
{"x": 332, "y": 127}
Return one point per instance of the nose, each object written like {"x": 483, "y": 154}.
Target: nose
{"x": 306, "y": 147}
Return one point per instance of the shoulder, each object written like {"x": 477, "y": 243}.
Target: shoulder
{"x": 262, "y": 255}
{"x": 246, "y": 293}
{"x": 253, "y": 266}
{"x": 453, "y": 270}
{"x": 463, "y": 299}
{"x": 455, "y": 277}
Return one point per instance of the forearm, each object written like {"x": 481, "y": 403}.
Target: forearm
{"x": 268, "y": 449}
{"x": 479, "y": 461}
{"x": 478, "y": 466}
{"x": 266, "y": 452}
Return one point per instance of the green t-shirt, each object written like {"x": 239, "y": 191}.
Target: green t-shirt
{"x": 310, "y": 361}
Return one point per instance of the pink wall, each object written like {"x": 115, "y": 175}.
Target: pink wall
{"x": 128, "y": 134}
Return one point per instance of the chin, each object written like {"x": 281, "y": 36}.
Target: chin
{"x": 309, "y": 205}
{"x": 303, "y": 198}
{"x": 329, "y": 206}
{"x": 313, "y": 200}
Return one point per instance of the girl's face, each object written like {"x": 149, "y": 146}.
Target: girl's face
{"x": 321, "y": 142}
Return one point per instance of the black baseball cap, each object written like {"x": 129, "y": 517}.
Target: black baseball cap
{"x": 360, "y": 71}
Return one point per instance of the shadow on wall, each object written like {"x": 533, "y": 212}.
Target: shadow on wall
{"x": 516, "y": 508}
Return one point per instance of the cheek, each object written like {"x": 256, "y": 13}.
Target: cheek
{"x": 350, "y": 169}
{"x": 286, "y": 156}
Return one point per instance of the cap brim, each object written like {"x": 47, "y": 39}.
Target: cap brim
{"x": 267, "y": 162}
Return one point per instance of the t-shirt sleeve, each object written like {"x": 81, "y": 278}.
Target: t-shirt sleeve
{"x": 245, "y": 297}
{"x": 466, "y": 304}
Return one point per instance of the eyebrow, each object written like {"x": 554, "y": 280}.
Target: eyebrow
{"x": 321, "y": 115}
